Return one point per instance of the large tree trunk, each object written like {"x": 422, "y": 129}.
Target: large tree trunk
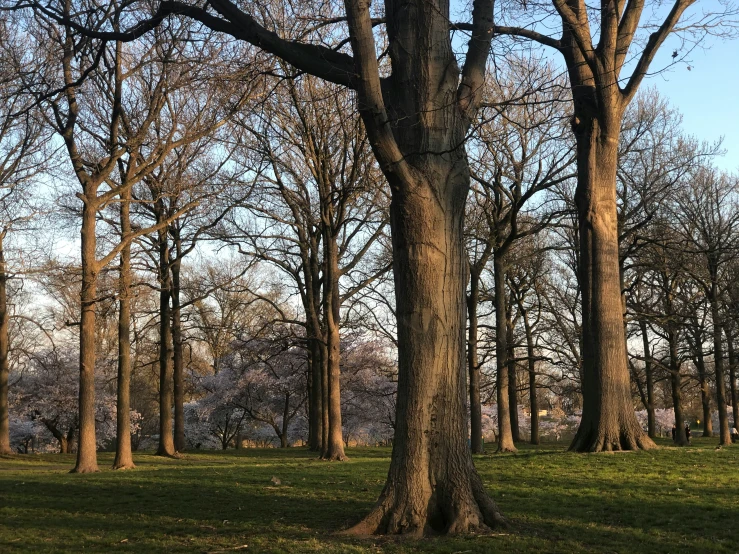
{"x": 123, "y": 456}
{"x": 718, "y": 366}
{"x": 732, "y": 375}
{"x": 505, "y": 436}
{"x": 533, "y": 400}
{"x": 166, "y": 378}
{"x": 608, "y": 420}
{"x": 178, "y": 362}
{"x": 432, "y": 484}
{"x": 700, "y": 365}
{"x": 4, "y": 350}
{"x": 681, "y": 438}
{"x": 473, "y": 366}
{"x": 512, "y": 375}
{"x": 87, "y": 445}
{"x": 334, "y": 449}
{"x": 651, "y": 427}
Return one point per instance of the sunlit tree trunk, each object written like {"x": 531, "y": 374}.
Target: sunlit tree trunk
{"x": 4, "y": 350}
{"x": 166, "y": 378}
{"x": 123, "y": 456}
{"x": 473, "y": 366}
{"x": 505, "y": 435}
{"x": 178, "y": 362}
{"x": 87, "y": 445}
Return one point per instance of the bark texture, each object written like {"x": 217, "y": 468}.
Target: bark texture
{"x": 334, "y": 447}
{"x": 123, "y": 456}
{"x": 608, "y": 421}
{"x": 166, "y": 378}
{"x": 505, "y": 435}
{"x": 178, "y": 361}
{"x": 4, "y": 349}
{"x": 87, "y": 445}
{"x": 473, "y": 366}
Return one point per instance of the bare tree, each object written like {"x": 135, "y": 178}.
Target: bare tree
{"x": 22, "y": 158}
{"x": 600, "y": 96}
{"x": 515, "y": 157}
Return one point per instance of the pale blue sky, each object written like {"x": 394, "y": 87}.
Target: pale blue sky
{"x": 708, "y": 96}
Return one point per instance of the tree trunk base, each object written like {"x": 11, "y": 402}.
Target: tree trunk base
{"x": 590, "y": 439}
{"x": 462, "y": 512}
{"x": 85, "y": 469}
{"x": 506, "y": 446}
{"x": 337, "y": 457}
{"x": 123, "y": 465}
{"x": 165, "y": 454}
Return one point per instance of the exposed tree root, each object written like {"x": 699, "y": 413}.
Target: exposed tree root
{"x": 172, "y": 455}
{"x": 334, "y": 457}
{"x": 124, "y": 466}
{"x": 590, "y": 439}
{"x": 416, "y": 515}
{"x": 85, "y": 470}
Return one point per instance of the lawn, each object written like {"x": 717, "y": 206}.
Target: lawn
{"x": 671, "y": 500}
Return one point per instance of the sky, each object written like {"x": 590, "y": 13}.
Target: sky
{"x": 708, "y": 96}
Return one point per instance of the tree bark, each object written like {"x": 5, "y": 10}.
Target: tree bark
{"x": 681, "y": 438}
{"x": 123, "y": 456}
{"x": 700, "y": 365}
{"x": 651, "y": 426}
{"x": 87, "y": 445}
{"x": 178, "y": 369}
{"x": 732, "y": 375}
{"x": 432, "y": 484}
{"x": 718, "y": 366}
{"x": 316, "y": 394}
{"x": 476, "y": 444}
{"x": 512, "y": 375}
{"x": 533, "y": 400}
{"x": 4, "y": 350}
{"x": 608, "y": 420}
{"x": 505, "y": 436}
{"x": 166, "y": 378}
{"x": 334, "y": 449}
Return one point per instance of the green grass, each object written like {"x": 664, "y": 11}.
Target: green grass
{"x": 671, "y": 500}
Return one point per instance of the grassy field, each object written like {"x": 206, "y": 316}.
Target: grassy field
{"x": 672, "y": 500}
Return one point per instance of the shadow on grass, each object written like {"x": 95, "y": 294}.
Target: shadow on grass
{"x": 668, "y": 501}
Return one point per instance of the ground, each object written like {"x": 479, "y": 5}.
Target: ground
{"x": 670, "y": 500}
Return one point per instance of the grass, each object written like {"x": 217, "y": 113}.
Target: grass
{"x": 671, "y": 500}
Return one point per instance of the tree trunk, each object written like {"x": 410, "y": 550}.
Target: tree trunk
{"x": 505, "y": 436}
{"x": 681, "y": 438}
{"x": 325, "y": 426}
{"x": 718, "y": 366}
{"x": 651, "y": 426}
{"x": 608, "y": 420}
{"x": 311, "y": 304}
{"x": 316, "y": 394}
{"x": 473, "y": 367}
{"x": 4, "y": 350}
{"x": 533, "y": 400}
{"x": 87, "y": 445}
{"x": 166, "y": 378}
{"x": 334, "y": 449}
{"x": 732, "y": 375}
{"x": 700, "y": 365}
{"x": 285, "y": 422}
{"x": 512, "y": 375}
{"x": 432, "y": 484}
{"x": 178, "y": 369}
{"x": 123, "y": 456}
